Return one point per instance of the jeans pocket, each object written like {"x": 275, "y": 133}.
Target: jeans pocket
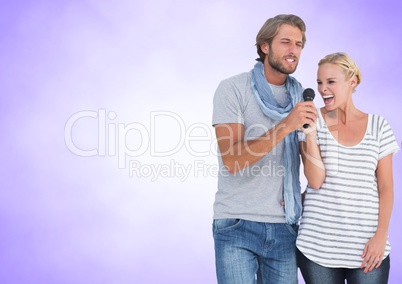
{"x": 293, "y": 229}
{"x": 227, "y": 224}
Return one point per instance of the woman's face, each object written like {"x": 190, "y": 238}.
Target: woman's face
{"x": 333, "y": 86}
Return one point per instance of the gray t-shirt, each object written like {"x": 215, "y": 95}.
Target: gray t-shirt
{"x": 255, "y": 193}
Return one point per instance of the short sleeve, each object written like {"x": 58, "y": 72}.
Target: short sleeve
{"x": 227, "y": 106}
{"x": 387, "y": 142}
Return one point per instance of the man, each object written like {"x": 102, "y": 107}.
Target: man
{"x": 258, "y": 203}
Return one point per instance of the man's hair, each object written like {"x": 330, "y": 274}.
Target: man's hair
{"x": 271, "y": 28}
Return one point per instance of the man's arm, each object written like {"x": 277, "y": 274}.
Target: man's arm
{"x": 237, "y": 153}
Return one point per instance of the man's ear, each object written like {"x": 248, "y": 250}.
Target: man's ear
{"x": 265, "y": 47}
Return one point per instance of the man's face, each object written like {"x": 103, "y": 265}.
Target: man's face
{"x": 284, "y": 53}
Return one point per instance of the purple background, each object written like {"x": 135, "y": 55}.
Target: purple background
{"x": 67, "y": 218}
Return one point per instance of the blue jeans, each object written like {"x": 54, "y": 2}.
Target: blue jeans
{"x": 314, "y": 273}
{"x": 251, "y": 252}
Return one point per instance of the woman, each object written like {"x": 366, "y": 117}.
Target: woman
{"x": 347, "y": 157}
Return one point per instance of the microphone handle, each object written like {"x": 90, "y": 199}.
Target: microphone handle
{"x": 305, "y": 126}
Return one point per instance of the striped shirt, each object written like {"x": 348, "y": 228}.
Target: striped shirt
{"x": 340, "y": 218}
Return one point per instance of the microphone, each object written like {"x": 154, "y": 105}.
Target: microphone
{"x": 308, "y": 95}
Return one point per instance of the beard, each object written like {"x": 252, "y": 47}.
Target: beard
{"x": 277, "y": 64}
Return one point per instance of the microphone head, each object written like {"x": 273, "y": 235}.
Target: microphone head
{"x": 308, "y": 94}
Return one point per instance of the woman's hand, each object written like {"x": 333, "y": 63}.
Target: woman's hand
{"x": 311, "y": 129}
{"x": 373, "y": 252}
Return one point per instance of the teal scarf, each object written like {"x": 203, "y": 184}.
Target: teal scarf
{"x": 270, "y": 107}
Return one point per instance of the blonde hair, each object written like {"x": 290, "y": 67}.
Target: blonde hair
{"x": 271, "y": 28}
{"x": 346, "y": 63}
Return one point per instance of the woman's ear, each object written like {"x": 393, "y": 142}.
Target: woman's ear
{"x": 353, "y": 82}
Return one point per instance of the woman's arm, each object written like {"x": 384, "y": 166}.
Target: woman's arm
{"x": 374, "y": 250}
{"x": 314, "y": 169}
